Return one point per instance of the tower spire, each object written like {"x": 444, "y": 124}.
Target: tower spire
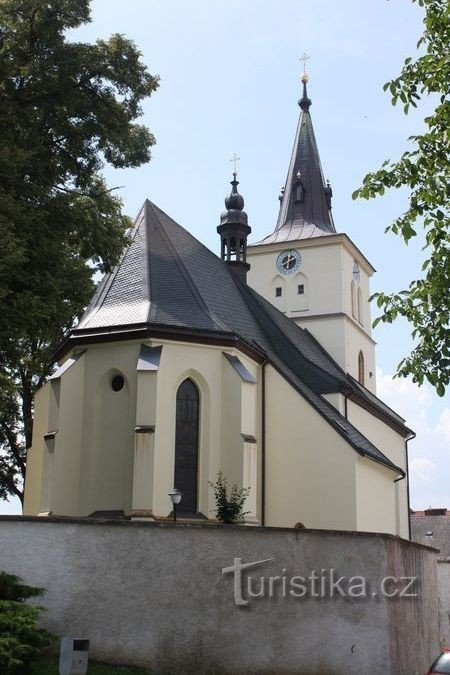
{"x": 305, "y": 201}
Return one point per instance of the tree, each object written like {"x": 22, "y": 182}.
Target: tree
{"x": 425, "y": 170}
{"x": 21, "y": 640}
{"x": 66, "y": 108}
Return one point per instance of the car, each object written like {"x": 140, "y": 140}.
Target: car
{"x": 442, "y": 664}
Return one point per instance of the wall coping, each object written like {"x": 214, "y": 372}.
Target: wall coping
{"x": 148, "y": 524}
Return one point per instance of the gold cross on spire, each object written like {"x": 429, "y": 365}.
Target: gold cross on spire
{"x": 235, "y": 159}
{"x": 304, "y": 57}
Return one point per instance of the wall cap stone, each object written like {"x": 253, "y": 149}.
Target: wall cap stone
{"x": 299, "y": 532}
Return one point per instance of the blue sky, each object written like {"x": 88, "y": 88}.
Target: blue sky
{"x": 229, "y": 74}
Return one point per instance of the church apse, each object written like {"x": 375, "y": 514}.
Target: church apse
{"x": 108, "y": 465}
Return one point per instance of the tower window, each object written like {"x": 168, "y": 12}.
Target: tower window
{"x": 278, "y": 292}
{"x": 301, "y": 289}
{"x": 361, "y": 368}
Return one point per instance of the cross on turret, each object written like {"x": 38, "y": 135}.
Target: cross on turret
{"x": 304, "y": 57}
{"x": 235, "y": 159}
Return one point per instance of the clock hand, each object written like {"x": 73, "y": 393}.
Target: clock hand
{"x": 288, "y": 260}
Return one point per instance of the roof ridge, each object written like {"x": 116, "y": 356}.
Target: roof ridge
{"x": 183, "y": 269}
{"x": 108, "y": 278}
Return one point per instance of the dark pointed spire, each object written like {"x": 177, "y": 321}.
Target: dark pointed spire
{"x": 234, "y": 230}
{"x": 305, "y": 202}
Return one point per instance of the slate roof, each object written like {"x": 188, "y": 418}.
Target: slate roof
{"x": 168, "y": 280}
{"x": 310, "y": 216}
{"x": 438, "y": 529}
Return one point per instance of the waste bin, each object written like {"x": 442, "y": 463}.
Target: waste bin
{"x": 73, "y": 656}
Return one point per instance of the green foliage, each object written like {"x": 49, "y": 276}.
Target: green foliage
{"x": 229, "y": 507}
{"x": 66, "y": 108}
{"x": 425, "y": 169}
{"x": 21, "y": 640}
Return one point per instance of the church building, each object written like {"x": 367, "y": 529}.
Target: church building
{"x": 259, "y": 363}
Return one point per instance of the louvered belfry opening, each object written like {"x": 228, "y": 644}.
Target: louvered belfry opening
{"x": 186, "y": 445}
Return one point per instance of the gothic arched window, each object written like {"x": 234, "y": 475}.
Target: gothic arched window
{"x": 186, "y": 445}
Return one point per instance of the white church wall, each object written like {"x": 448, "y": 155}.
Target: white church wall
{"x": 321, "y": 266}
{"x": 203, "y": 365}
{"x": 358, "y": 341}
{"x": 232, "y": 443}
{"x": 111, "y": 440}
{"x": 310, "y": 469}
{"x": 108, "y": 428}
{"x": 392, "y": 445}
{"x": 330, "y": 333}
{"x": 144, "y": 444}
{"x": 97, "y": 451}
{"x": 35, "y": 456}
{"x": 376, "y": 500}
{"x": 336, "y": 400}
{"x": 65, "y": 490}
{"x": 325, "y": 308}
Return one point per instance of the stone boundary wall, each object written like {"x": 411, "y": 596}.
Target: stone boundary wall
{"x": 443, "y": 565}
{"x": 154, "y": 594}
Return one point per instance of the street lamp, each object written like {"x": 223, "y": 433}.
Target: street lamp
{"x": 175, "y": 495}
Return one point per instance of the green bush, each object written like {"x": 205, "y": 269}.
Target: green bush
{"x": 229, "y": 509}
{"x": 21, "y": 640}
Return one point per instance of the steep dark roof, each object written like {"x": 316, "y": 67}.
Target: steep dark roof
{"x": 167, "y": 280}
{"x": 309, "y": 216}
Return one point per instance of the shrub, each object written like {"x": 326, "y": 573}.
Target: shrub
{"x": 229, "y": 509}
{"x": 21, "y": 640}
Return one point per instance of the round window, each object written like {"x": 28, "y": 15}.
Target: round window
{"x": 117, "y": 383}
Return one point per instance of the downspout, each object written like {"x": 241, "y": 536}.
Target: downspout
{"x": 263, "y": 444}
{"x": 410, "y": 438}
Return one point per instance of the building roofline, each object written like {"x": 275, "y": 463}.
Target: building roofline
{"x": 324, "y": 240}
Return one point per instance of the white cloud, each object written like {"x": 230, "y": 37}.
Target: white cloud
{"x": 429, "y": 452}
{"x": 422, "y": 469}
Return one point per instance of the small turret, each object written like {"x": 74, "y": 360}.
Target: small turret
{"x": 234, "y": 230}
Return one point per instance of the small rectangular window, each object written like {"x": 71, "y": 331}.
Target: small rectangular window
{"x": 278, "y": 292}
{"x": 301, "y": 289}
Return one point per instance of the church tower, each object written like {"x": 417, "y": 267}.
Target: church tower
{"x": 315, "y": 275}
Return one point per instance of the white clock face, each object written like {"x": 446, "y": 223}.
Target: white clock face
{"x": 356, "y": 273}
{"x": 289, "y": 262}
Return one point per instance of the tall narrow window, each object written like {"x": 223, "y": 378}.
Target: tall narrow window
{"x": 361, "y": 368}
{"x": 278, "y": 292}
{"x": 353, "y": 292}
{"x": 186, "y": 445}
{"x": 360, "y": 309}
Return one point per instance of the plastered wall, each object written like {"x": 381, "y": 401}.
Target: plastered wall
{"x": 155, "y": 595}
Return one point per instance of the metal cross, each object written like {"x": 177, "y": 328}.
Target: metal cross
{"x": 304, "y": 57}
{"x": 235, "y": 159}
